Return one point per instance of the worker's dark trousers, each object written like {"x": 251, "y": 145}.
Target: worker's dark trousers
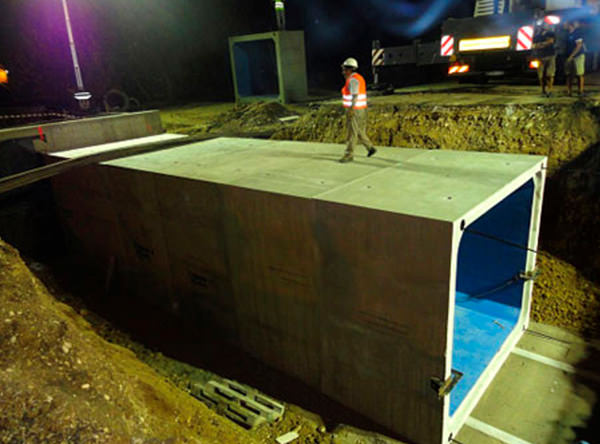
{"x": 280, "y": 19}
{"x": 357, "y": 130}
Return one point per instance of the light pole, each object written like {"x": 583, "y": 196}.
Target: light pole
{"x": 82, "y": 96}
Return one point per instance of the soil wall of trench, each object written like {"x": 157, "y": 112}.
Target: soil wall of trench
{"x": 569, "y": 135}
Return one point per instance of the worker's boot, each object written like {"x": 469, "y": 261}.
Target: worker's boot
{"x": 348, "y": 157}
{"x": 371, "y": 152}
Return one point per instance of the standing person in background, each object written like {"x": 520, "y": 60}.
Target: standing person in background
{"x": 575, "y": 64}
{"x": 545, "y": 51}
{"x": 280, "y": 13}
{"x": 354, "y": 99}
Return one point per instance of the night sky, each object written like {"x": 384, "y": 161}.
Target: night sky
{"x": 174, "y": 51}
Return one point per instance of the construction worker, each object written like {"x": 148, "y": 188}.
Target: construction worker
{"x": 354, "y": 99}
{"x": 545, "y": 52}
{"x": 280, "y": 13}
{"x": 575, "y": 64}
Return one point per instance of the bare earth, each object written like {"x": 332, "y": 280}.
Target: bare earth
{"x": 60, "y": 382}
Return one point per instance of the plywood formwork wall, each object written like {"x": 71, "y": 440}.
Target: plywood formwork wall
{"x": 191, "y": 213}
{"x": 384, "y": 317}
{"x": 353, "y": 299}
{"x": 273, "y": 264}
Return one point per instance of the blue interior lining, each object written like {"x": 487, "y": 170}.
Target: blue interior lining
{"x": 256, "y": 68}
{"x": 488, "y": 304}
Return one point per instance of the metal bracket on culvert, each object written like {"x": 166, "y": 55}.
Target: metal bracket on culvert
{"x": 530, "y": 275}
{"x": 243, "y": 405}
{"x": 443, "y": 388}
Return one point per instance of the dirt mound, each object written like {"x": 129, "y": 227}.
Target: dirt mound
{"x": 251, "y": 116}
{"x": 559, "y": 132}
{"x": 60, "y": 382}
{"x": 193, "y": 119}
{"x": 563, "y": 297}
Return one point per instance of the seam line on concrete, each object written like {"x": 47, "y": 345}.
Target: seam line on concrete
{"x": 492, "y": 431}
{"x": 556, "y": 364}
{"x": 321, "y": 195}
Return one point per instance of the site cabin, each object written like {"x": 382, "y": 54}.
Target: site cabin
{"x": 371, "y": 282}
{"x": 497, "y": 41}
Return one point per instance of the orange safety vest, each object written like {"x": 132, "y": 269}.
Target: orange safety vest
{"x": 361, "y": 100}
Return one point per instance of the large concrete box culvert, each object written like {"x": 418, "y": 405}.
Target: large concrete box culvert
{"x": 370, "y": 281}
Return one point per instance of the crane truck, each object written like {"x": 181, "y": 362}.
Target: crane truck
{"x": 497, "y": 41}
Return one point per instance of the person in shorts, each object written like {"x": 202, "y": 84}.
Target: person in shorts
{"x": 575, "y": 64}
{"x": 545, "y": 52}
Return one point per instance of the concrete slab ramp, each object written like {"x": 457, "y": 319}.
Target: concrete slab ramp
{"x": 77, "y": 133}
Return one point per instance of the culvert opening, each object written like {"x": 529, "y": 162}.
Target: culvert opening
{"x": 256, "y": 68}
{"x": 489, "y": 287}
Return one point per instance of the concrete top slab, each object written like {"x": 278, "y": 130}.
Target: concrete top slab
{"x": 442, "y": 185}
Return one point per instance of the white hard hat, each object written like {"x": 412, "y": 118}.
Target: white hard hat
{"x": 350, "y": 63}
